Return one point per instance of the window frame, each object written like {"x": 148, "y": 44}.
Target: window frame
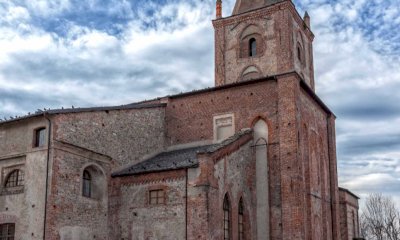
{"x": 87, "y": 181}
{"x": 157, "y": 196}
{"x": 300, "y": 52}
{"x": 241, "y": 220}
{"x": 227, "y": 218}
{"x": 18, "y": 179}
{"x": 217, "y": 124}
{"x": 9, "y": 235}
{"x": 38, "y": 139}
{"x": 252, "y": 47}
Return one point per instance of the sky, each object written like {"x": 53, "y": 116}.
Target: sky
{"x": 63, "y": 53}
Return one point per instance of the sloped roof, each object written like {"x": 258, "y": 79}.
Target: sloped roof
{"x": 349, "y": 192}
{"x": 177, "y": 159}
{"x": 243, "y": 6}
{"x": 80, "y": 110}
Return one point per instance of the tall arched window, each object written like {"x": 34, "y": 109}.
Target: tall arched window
{"x": 299, "y": 52}
{"x": 7, "y": 231}
{"x": 262, "y": 179}
{"x": 241, "y": 220}
{"x": 94, "y": 182}
{"x": 15, "y": 179}
{"x": 354, "y": 225}
{"x": 252, "y": 47}
{"x": 227, "y": 218}
{"x": 87, "y": 184}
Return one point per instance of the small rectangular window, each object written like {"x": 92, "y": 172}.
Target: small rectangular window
{"x": 40, "y": 137}
{"x": 223, "y": 127}
{"x": 7, "y": 231}
{"x": 156, "y": 197}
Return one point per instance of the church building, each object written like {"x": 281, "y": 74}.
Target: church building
{"x": 252, "y": 158}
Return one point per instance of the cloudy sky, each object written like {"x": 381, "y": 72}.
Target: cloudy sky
{"x": 57, "y": 53}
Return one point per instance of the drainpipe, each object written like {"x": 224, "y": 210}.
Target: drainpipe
{"x": 330, "y": 176}
{"x": 186, "y": 205}
{"x": 47, "y": 173}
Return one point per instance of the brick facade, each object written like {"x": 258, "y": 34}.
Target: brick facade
{"x": 349, "y": 219}
{"x": 289, "y": 188}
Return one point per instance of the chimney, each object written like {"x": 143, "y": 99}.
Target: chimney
{"x": 307, "y": 20}
{"x": 219, "y": 9}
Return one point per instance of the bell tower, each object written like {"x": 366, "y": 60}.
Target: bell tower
{"x": 262, "y": 38}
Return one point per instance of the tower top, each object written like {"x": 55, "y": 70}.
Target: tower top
{"x": 219, "y": 9}
{"x": 242, "y": 6}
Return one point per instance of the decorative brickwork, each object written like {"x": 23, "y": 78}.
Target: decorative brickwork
{"x": 161, "y": 169}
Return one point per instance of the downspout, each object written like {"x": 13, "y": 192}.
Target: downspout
{"x": 330, "y": 175}
{"x": 186, "y": 205}
{"x": 47, "y": 173}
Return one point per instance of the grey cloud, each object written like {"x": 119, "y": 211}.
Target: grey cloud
{"x": 369, "y": 144}
{"x": 345, "y": 55}
{"x": 369, "y": 104}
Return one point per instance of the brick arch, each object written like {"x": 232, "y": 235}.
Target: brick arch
{"x": 249, "y": 29}
{"x": 249, "y": 72}
{"x": 95, "y": 165}
{"x": 300, "y": 44}
{"x": 99, "y": 180}
{"x": 230, "y": 197}
{"x": 248, "y": 32}
{"x": 255, "y": 119}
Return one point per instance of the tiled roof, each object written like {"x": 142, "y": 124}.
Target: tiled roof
{"x": 176, "y": 159}
{"x": 80, "y": 110}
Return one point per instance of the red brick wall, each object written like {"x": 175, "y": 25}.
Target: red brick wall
{"x": 279, "y": 29}
{"x": 349, "y": 219}
{"x": 302, "y": 167}
{"x": 66, "y": 206}
{"x": 131, "y": 215}
{"x": 190, "y": 119}
{"x": 313, "y": 126}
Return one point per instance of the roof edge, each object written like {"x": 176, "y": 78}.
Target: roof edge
{"x": 140, "y": 105}
{"x": 314, "y": 96}
{"x": 349, "y": 192}
{"x": 118, "y": 174}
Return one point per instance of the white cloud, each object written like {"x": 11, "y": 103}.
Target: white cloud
{"x": 151, "y": 50}
{"x": 48, "y": 8}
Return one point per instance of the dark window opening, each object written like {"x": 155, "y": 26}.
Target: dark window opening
{"x": 87, "y": 184}
{"x": 7, "y": 231}
{"x": 40, "y": 137}
{"x": 252, "y": 47}
{"x": 15, "y": 179}
{"x": 354, "y": 225}
{"x": 227, "y": 218}
{"x": 241, "y": 220}
{"x": 156, "y": 197}
{"x": 299, "y": 53}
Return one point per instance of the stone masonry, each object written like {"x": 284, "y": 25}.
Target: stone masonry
{"x": 252, "y": 158}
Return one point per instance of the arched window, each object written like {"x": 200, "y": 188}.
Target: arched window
{"x": 94, "y": 182}
{"x": 299, "y": 52}
{"x": 262, "y": 179}
{"x": 252, "y": 47}
{"x": 15, "y": 179}
{"x": 227, "y": 218}
{"x": 241, "y": 220}
{"x": 7, "y": 231}
{"x": 87, "y": 184}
